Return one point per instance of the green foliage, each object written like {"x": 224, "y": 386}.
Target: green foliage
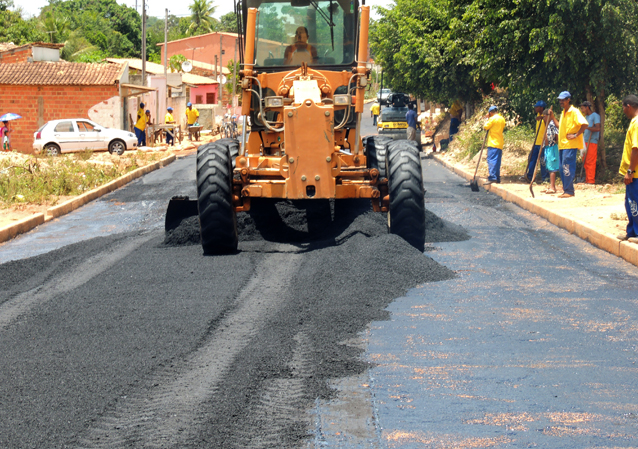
{"x": 228, "y": 23}
{"x": 202, "y": 20}
{"x": 233, "y": 68}
{"x": 175, "y": 62}
{"x": 13, "y": 28}
{"x": 6, "y": 4}
{"x": 615, "y": 118}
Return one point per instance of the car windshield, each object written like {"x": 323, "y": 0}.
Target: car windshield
{"x": 317, "y": 33}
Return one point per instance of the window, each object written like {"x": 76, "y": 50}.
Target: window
{"x": 64, "y": 127}
{"x": 290, "y": 35}
{"x": 85, "y": 126}
{"x": 199, "y": 99}
{"x": 210, "y": 98}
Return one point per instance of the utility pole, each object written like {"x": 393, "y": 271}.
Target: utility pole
{"x": 166, "y": 45}
{"x": 143, "y": 42}
{"x": 234, "y": 73}
{"x": 221, "y": 70}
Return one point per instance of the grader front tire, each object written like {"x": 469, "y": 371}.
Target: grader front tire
{"x": 217, "y": 216}
{"x": 406, "y": 217}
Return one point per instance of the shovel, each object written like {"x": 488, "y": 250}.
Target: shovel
{"x": 473, "y": 182}
{"x": 540, "y": 152}
{"x": 529, "y": 156}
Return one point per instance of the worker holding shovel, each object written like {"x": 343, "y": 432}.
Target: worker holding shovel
{"x": 495, "y": 126}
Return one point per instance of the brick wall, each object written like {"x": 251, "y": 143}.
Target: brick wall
{"x": 40, "y": 104}
{"x": 18, "y": 55}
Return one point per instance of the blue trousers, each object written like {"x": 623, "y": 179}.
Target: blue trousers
{"x": 169, "y": 139}
{"x": 631, "y": 206}
{"x": 141, "y": 137}
{"x": 568, "y": 169}
{"x": 532, "y": 164}
{"x": 494, "y": 156}
{"x": 374, "y": 120}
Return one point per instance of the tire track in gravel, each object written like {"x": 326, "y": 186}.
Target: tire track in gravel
{"x": 83, "y": 273}
{"x": 281, "y": 403}
{"x": 169, "y": 415}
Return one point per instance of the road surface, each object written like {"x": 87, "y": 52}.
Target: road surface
{"x": 506, "y": 332}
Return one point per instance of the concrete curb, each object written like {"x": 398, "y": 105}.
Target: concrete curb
{"x": 25, "y": 225}
{"x": 627, "y": 251}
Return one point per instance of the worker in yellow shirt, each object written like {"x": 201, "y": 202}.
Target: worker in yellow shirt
{"x": 374, "y": 111}
{"x": 192, "y": 114}
{"x": 571, "y": 127}
{"x": 495, "y": 126}
{"x": 628, "y": 167}
{"x": 140, "y": 126}
{"x": 168, "y": 119}
{"x": 539, "y": 107}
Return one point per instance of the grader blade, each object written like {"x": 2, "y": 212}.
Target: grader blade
{"x": 179, "y": 208}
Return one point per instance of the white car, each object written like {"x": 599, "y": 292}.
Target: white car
{"x": 78, "y": 134}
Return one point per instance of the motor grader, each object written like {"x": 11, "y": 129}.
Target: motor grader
{"x": 303, "y": 77}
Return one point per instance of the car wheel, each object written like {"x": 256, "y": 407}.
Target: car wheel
{"x": 52, "y": 149}
{"x": 117, "y": 147}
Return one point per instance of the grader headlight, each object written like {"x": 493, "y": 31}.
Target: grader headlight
{"x": 274, "y": 102}
{"x": 342, "y": 100}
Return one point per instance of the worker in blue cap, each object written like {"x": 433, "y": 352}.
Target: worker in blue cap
{"x": 539, "y": 132}
{"x": 571, "y": 127}
{"x": 495, "y": 126}
{"x": 169, "y": 119}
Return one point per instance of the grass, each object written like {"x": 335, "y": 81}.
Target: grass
{"x": 41, "y": 179}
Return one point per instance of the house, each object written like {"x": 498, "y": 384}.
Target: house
{"x": 205, "y": 47}
{"x": 197, "y": 89}
{"x": 41, "y": 91}
{"x": 34, "y": 52}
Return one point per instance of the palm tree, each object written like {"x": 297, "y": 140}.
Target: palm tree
{"x": 202, "y": 20}
{"x": 56, "y": 26}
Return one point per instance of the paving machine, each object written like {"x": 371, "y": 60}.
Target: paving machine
{"x": 303, "y": 77}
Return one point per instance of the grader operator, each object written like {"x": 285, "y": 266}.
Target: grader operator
{"x": 303, "y": 79}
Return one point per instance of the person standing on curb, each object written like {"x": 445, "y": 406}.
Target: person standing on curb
{"x": 539, "y": 107}
{"x": 168, "y": 119}
{"x": 550, "y": 143}
{"x": 592, "y": 133}
{"x": 140, "y": 126}
{"x": 375, "y": 110}
{"x": 410, "y": 117}
{"x": 571, "y": 127}
{"x": 495, "y": 125}
{"x": 628, "y": 167}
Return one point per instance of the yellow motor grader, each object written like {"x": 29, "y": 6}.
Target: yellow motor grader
{"x": 303, "y": 78}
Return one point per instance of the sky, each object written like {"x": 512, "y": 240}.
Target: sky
{"x": 157, "y": 7}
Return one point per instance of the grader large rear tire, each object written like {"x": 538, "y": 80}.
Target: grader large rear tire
{"x": 406, "y": 217}
{"x": 217, "y": 216}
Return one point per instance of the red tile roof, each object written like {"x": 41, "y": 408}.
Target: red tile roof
{"x": 5, "y": 46}
{"x": 60, "y": 73}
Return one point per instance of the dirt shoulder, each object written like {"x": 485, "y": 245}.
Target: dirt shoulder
{"x": 600, "y": 206}
{"x": 12, "y": 213}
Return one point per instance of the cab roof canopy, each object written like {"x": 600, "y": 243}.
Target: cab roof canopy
{"x": 345, "y": 4}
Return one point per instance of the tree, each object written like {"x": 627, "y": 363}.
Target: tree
{"x": 202, "y": 20}
{"x": 228, "y": 23}
{"x": 541, "y": 48}
{"x": 419, "y": 53}
{"x": 55, "y": 26}
{"x": 13, "y": 28}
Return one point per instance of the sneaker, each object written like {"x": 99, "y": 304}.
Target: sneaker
{"x": 632, "y": 239}
{"x": 622, "y": 237}
{"x": 565, "y": 195}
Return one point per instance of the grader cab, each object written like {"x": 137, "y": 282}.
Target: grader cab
{"x": 303, "y": 78}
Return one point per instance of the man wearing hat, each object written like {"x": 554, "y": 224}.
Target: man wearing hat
{"x": 591, "y": 141}
{"x": 140, "y": 126}
{"x": 495, "y": 126}
{"x": 571, "y": 127}
{"x": 539, "y": 107}
{"x": 629, "y": 168}
{"x": 168, "y": 119}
